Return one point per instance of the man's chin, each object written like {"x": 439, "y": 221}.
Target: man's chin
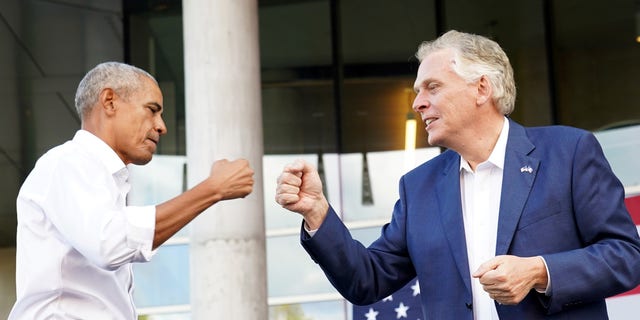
{"x": 434, "y": 142}
{"x": 141, "y": 161}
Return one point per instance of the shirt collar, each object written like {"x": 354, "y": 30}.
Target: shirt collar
{"x": 96, "y": 146}
{"x": 497, "y": 154}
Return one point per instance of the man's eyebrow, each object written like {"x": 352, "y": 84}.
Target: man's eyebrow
{"x": 421, "y": 84}
{"x": 156, "y": 105}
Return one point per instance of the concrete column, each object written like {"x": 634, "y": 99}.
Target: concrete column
{"x": 224, "y": 120}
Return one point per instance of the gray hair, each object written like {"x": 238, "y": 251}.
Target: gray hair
{"x": 476, "y": 56}
{"x": 124, "y": 79}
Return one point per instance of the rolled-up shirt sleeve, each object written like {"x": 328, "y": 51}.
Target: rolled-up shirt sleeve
{"x": 140, "y": 230}
{"x": 90, "y": 211}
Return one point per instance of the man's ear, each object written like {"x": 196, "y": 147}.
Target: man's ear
{"x": 485, "y": 90}
{"x": 106, "y": 100}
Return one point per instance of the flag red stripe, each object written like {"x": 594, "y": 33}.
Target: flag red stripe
{"x": 630, "y": 292}
{"x": 633, "y": 205}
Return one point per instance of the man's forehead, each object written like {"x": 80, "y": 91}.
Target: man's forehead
{"x": 151, "y": 88}
{"x": 435, "y": 62}
{"x": 439, "y": 57}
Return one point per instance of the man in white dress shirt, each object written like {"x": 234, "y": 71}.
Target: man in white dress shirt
{"x": 76, "y": 236}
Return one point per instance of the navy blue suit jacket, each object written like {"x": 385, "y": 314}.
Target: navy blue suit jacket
{"x": 568, "y": 208}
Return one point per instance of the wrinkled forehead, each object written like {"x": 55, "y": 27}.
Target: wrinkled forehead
{"x": 436, "y": 63}
{"x": 149, "y": 91}
{"x": 441, "y": 58}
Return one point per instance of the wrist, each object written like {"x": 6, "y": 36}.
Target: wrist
{"x": 542, "y": 280}
{"x": 309, "y": 229}
{"x": 314, "y": 219}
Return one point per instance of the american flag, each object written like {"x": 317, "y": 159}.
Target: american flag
{"x": 404, "y": 304}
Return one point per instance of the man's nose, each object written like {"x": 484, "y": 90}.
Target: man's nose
{"x": 420, "y": 103}
{"x": 161, "y": 127}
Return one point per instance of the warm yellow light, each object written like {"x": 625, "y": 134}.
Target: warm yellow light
{"x": 638, "y": 39}
{"x": 410, "y": 134}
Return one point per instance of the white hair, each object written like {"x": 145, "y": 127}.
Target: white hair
{"x": 476, "y": 56}
{"x": 121, "y": 77}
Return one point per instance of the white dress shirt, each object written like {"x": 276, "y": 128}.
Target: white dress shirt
{"x": 480, "y": 192}
{"x": 76, "y": 237}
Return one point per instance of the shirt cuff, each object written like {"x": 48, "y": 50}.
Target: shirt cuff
{"x": 309, "y": 232}
{"x": 548, "y": 288}
{"x": 141, "y": 225}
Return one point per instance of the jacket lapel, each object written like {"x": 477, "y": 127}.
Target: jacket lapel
{"x": 519, "y": 173}
{"x": 449, "y": 200}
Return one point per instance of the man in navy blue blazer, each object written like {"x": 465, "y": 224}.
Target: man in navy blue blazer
{"x": 509, "y": 223}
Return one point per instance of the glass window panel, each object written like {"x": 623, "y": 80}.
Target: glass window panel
{"x": 165, "y": 279}
{"x": 366, "y": 236}
{"x": 325, "y": 310}
{"x": 298, "y": 118}
{"x": 385, "y": 169}
{"x": 277, "y": 217}
{"x": 332, "y": 184}
{"x": 290, "y": 270}
{"x": 159, "y": 180}
{"x": 307, "y": 44}
{"x": 375, "y": 111}
{"x": 596, "y": 59}
{"x": 621, "y": 146}
{"x": 383, "y": 31}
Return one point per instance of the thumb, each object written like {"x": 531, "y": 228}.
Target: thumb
{"x": 304, "y": 166}
{"x": 492, "y": 264}
{"x": 297, "y": 168}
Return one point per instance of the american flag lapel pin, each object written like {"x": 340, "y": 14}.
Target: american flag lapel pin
{"x": 526, "y": 169}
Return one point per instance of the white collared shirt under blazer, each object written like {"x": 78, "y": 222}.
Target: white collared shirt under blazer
{"x": 76, "y": 237}
{"x": 480, "y": 191}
